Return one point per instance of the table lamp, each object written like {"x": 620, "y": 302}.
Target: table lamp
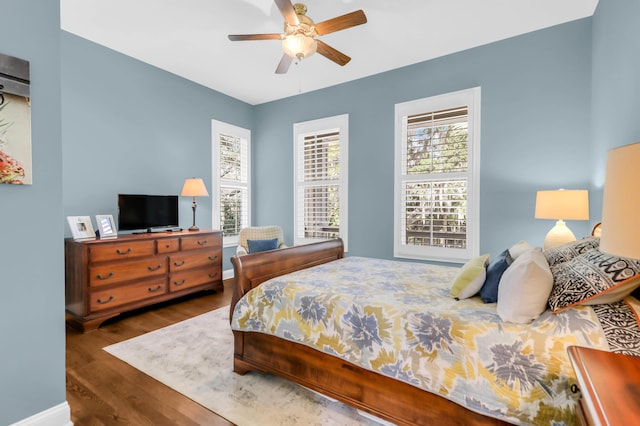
{"x": 194, "y": 187}
{"x": 561, "y": 205}
{"x": 621, "y": 203}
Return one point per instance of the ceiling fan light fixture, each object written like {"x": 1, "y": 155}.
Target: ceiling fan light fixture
{"x": 299, "y": 45}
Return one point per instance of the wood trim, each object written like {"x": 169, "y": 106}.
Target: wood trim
{"x": 609, "y": 385}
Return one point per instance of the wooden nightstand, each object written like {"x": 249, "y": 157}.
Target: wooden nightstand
{"x": 609, "y": 384}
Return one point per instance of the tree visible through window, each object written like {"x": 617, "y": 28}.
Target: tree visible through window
{"x": 231, "y": 156}
{"x": 435, "y": 179}
{"x": 320, "y": 170}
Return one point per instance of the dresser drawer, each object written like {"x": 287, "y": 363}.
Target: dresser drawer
{"x": 182, "y": 261}
{"x": 182, "y": 280}
{"x": 104, "y": 278}
{"x": 168, "y": 245}
{"x": 200, "y": 242}
{"x": 114, "y": 297}
{"x": 122, "y": 271}
{"x": 120, "y": 251}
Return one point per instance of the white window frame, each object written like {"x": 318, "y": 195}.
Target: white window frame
{"x": 218, "y": 128}
{"x": 470, "y": 98}
{"x": 300, "y": 130}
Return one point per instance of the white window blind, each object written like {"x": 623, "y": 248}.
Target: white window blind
{"x": 320, "y": 176}
{"x": 231, "y": 174}
{"x": 437, "y": 141}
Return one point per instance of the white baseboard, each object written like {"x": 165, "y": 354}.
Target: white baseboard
{"x": 60, "y": 415}
{"x": 227, "y": 273}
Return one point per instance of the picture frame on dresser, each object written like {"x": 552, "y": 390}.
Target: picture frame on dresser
{"x": 106, "y": 226}
{"x": 81, "y": 228}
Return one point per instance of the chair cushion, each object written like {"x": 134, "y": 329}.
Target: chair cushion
{"x": 256, "y": 246}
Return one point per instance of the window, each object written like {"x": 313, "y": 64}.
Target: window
{"x": 437, "y": 171}
{"x": 231, "y": 179}
{"x": 320, "y": 169}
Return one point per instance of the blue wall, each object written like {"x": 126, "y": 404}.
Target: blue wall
{"x": 124, "y": 121}
{"x": 132, "y": 128}
{"x": 535, "y": 135}
{"x": 32, "y": 369}
{"x": 616, "y": 85}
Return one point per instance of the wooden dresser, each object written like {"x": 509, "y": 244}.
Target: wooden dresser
{"x": 609, "y": 386}
{"x": 104, "y": 278}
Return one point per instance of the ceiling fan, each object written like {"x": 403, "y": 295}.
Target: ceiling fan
{"x": 300, "y": 32}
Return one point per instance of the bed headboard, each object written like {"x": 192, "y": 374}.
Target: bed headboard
{"x": 251, "y": 270}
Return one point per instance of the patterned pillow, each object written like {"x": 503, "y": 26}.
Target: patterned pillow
{"x": 592, "y": 278}
{"x": 566, "y": 252}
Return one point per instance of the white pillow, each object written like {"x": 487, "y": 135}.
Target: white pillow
{"x": 525, "y": 288}
{"x": 518, "y": 248}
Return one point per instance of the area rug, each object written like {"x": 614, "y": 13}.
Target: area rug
{"x": 194, "y": 357}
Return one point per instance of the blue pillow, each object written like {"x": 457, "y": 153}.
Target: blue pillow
{"x": 489, "y": 290}
{"x": 256, "y": 246}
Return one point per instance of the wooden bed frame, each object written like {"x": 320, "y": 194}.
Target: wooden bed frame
{"x": 381, "y": 396}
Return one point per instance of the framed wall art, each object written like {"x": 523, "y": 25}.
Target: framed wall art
{"x": 15, "y": 121}
{"x": 81, "y": 228}
{"x": 106, "y": 226}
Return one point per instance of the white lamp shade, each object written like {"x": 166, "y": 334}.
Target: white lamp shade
{"x": 621, "y": 203}
{"x": 194, "y": 187}
{"x": 562, "y": 204}
{"x": 299, "y": 45}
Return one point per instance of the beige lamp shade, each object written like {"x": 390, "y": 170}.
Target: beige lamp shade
{"x": 194, "y": 187}
{"x": 621, "y": 203}
{"x": 561, "y": 204}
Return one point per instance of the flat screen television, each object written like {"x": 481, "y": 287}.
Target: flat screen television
{"x": 136, "y": 212}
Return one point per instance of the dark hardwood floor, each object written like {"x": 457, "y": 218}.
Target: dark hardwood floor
{"x": 102, "y": 390}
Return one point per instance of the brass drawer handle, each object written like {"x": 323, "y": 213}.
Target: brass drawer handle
{"x": 176, "y": 263}
{"x": 215, "y": 274}
{"x": 103, "y": 302}
{"x": 213, "y": 258}
{"x": 152, "y": 268}
{"x": 153, "y": 290}
{"x": 105, "y": 277}
{"x": 201, "y": 243}
{"x": 123, "y": 252}
{"x": 178, "y": 284}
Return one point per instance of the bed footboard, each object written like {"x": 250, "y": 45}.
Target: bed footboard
{"x": 384, "y": 397}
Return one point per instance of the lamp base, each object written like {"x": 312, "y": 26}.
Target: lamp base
{"x": 559, "y": 235}
{"x": 194, "y": 228}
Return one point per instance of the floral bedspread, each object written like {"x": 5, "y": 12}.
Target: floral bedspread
{"x": 397, "y": 318}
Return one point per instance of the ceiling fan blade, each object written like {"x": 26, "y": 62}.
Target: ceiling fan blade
{"x": 241, "y": 37}
{"x": 288, "y": 12}
{"x": 330, "y": 53}
{"x": 284, "y": 64}
{"x": 341, "y": 22}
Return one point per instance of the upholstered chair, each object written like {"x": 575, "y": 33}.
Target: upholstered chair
{"x": 258, "y": 233}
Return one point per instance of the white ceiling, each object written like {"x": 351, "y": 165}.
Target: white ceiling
{"x": 189, "y": 37}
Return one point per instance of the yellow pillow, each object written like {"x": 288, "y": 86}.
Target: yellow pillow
{"x": 469, "y": 279}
